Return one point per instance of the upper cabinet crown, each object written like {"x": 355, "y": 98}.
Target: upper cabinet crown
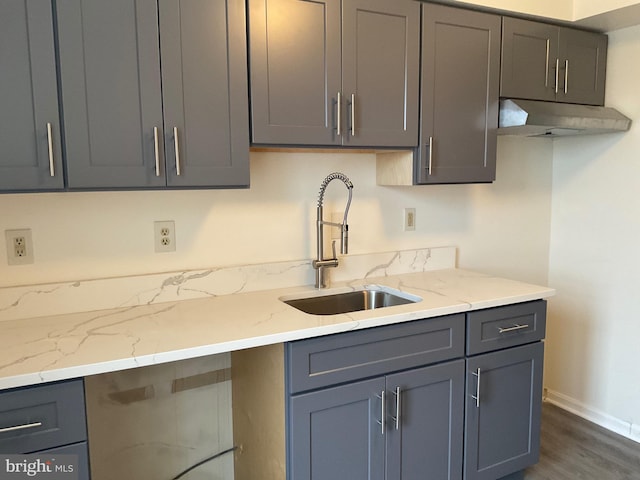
{"x": 31, "y": 157}
{"x": 334, "y": 72}
{"x": 130, "y": 123}
{"x": 547, "y": 62}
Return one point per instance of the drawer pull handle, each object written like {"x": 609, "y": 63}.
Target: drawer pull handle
{"x": 21, "y": 427}
{"x": 398, "y": 395}
{"x": 383, "y": 421}
{"x": 176, "y": 146}
{"x": 430, "y": 155}
{"x": 338, "y": 114}
{"x": 156, "y": 150}
{"x": 515, "y": 328}
{"x": 52, "y": 171}
{"x": 353, "y": 114}
{"x": 476, "y": 397}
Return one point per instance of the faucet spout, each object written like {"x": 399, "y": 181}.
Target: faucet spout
{"x": 321, "y": 263}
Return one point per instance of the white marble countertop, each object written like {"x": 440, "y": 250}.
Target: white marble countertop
{"x": 50, "y": 348}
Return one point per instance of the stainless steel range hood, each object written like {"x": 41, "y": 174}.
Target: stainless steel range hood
{"x": 547, "y": 119}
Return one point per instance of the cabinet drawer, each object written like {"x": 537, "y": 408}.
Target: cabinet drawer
{"x": 503, "y": 327}
{"x": 323, "y": 361}
{"x": 41, "y": 417}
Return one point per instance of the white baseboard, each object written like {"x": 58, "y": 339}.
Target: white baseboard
{"x": 626, "y": 429}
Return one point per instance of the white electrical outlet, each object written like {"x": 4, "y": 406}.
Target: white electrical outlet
{"x": 165, "y": 236}
{"x": 19, "y": 246}
{"x": 409, "y": 219}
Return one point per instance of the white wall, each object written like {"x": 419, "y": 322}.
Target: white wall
{"x": 594, "y": 332}
{"x": 501, "y": 228}
{"x": 588, "y": 8}
{"x": 556, "y": 9}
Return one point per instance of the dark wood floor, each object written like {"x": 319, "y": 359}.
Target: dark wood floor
{"x": 575, "y": 449}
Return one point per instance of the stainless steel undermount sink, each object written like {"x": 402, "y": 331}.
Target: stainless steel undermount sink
{"x": 366, "y": 298}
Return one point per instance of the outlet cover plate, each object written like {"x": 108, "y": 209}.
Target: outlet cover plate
{"x": 19, "y": 246}
{"x": 409, "y": 219}
{"x": 164, "y": 237}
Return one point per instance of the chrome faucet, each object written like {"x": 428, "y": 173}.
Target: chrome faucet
{"x": 321, "y": 263}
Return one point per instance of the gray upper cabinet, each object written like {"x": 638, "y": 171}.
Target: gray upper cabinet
{"x": 205, "y": 93}
{"x": 380, "y": 71}
{"x": 110, "y": 83}
{"x": 31, "y": 157}
{"x": 585, "y": 61}
{"x": 547, "y": 62}
{"x": 460, "y": 88}
{"x": 112, "y": 93}
{"x": 334, "y": 73}
{"x": 295, "y": 71}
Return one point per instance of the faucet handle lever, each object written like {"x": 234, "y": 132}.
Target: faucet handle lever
{"x": 333, "y": 248}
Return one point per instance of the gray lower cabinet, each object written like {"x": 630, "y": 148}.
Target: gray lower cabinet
{"x": 46, "y": 419}
{"x": 397, "y": 427}
{"x": 382, "y": 403}
{"x": 397, "y": 401}
{"x": 552, "y": 63}
{"x": 427, "y": 435}
{"x": 114, "y": 92}
{"x": 334, "y": 433}
{"x": 503, "y": 408}
{"x": 504, "y": 389}
{"x": 460, "y": 96}
{"x": 334, "y": 72}
{"x": 31, "y": 156}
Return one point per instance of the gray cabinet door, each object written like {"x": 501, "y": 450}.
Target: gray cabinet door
{"x": 380, "y": 70}
{"x": 334, "y": 433}
{"x": 546, "y": 62}
{"x": 82, "y": 453}
{"x": 529, "y": 53}
{"x": 29, "y": 120}
{"x": 110, "y": 84}
{"x": 584, "y": 58}
{"x": 460, "y": 83}
{"x": 502, "y": 428}
{"x": 429, "y": 433}
{"x": 204, "y": 86}
{"x": 295, "y": 51}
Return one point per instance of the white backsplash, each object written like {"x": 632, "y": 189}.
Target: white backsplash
{"x": 99, "y": 294}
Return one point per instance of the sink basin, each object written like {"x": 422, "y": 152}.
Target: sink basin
{"x": 366, "y": 298}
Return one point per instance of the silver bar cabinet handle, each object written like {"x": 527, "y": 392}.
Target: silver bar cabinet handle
{"x": 430, "y": 155}
{"x": 21, "y": 427}
{"x": 353, "y": 114}
{"x": 52, "y": 171}
{"x": 515, "y": 328}
{"x": 398, "y": 394}
{"x": 557, "y": 73}
{"x": 156, "y": 150}
{"x": 338, "y": 114}
{"x": 546, "y": 65}
{"x": 476, "y": 397}
{"x": 566, "y": 76}
{"x": 177, "y": 149}
{"x": 383, "y": 408}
